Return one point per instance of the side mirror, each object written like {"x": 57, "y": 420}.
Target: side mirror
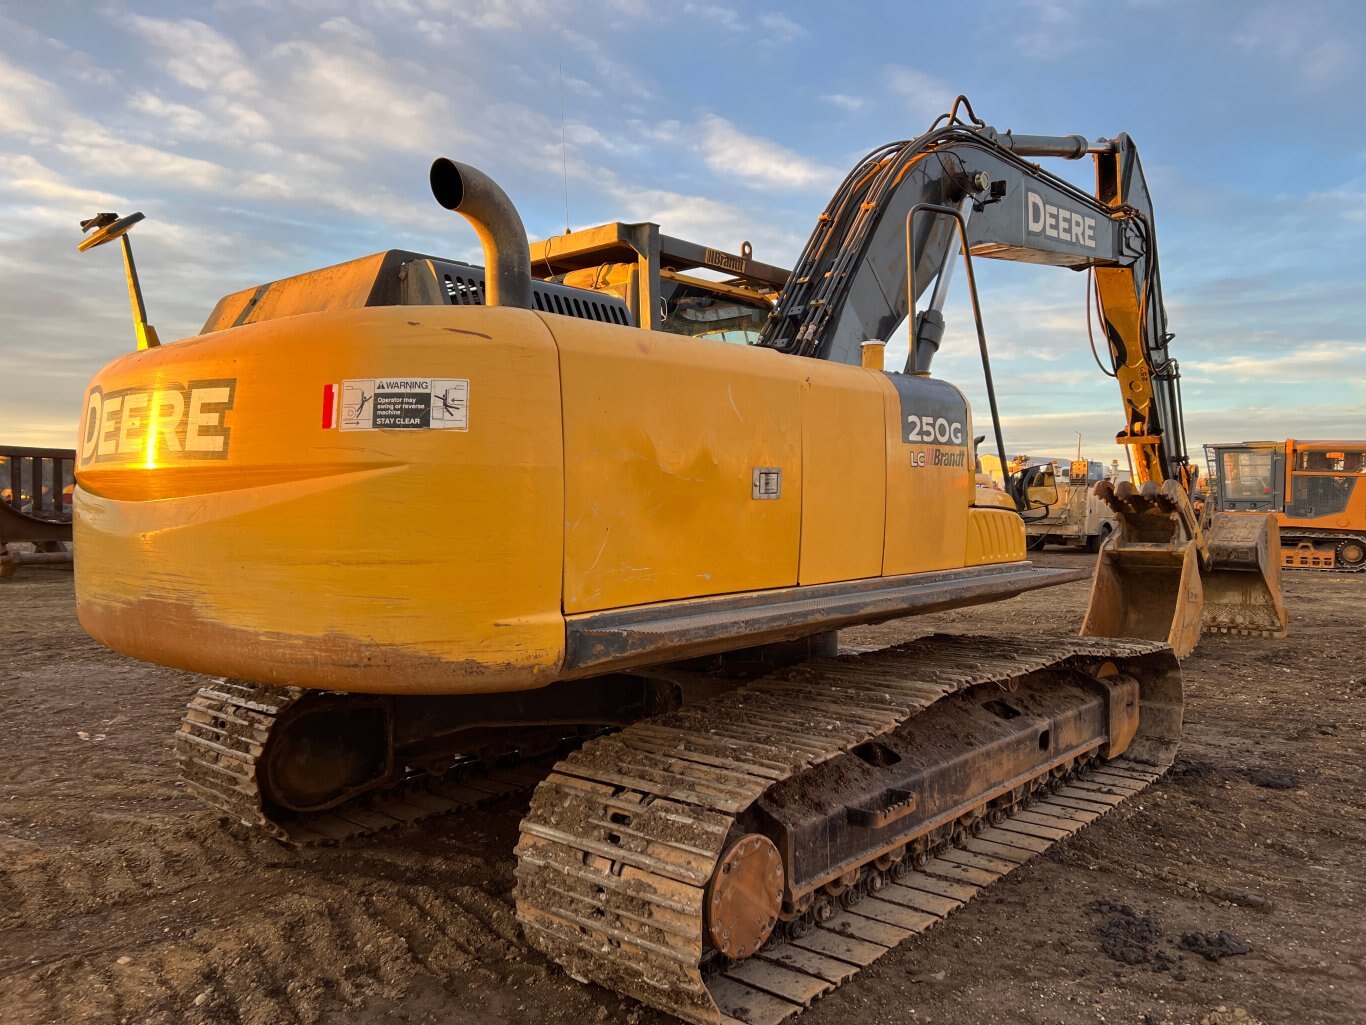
{"x": 1034, "y": 487}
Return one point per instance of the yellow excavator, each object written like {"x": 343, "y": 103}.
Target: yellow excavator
{"x": 588, "y": 519}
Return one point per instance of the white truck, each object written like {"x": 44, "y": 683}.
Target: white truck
{"x": 1078, "y": 519}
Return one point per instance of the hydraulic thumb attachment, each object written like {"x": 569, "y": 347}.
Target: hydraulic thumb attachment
{"x": 1161, "y": 577}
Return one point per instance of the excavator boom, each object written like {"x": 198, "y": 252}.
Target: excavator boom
{"x": 889, "y": 234}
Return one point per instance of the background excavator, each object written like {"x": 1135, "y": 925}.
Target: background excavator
{"x": 434, "y": 525}
{"x": 1313, "y": 488}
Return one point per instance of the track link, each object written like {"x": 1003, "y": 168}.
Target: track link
{"x": 623, "y": 837}
{"x": 224, "y": 734}
{"x": 1322, "y": 560}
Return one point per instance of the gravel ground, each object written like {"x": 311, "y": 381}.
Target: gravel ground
{"x": 124, "y": 900}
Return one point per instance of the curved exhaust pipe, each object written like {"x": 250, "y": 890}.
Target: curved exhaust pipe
{"x": 507, "y": 260}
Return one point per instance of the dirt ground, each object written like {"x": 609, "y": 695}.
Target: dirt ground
{"x": 124, "y": 900}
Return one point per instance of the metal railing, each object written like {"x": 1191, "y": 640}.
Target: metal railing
{"x": 35, "y": 506}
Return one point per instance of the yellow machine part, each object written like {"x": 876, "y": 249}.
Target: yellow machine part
{"x": 1159, "y": 579}
{"x": 657, "y": 430}
{"x": 599, "y": 471}
{"x": 412, "y": 559}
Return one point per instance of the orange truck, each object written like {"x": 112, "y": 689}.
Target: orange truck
{"x": 1316, "y": 489}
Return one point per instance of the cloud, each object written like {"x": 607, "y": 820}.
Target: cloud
{"x": 197, "y": 55}
{"x": 339, "y": 89}
{"x": 27, "y": 102}
{"x": 94, "y": 146}
{"x": 1347, "y": 201}
{"x": 381, "y": 110}
{"x": 27, "y": 178}
{"x": 1302, "y": 36}
{"x": 923, "y": 94}
{"x": 180, "y": 120}
{"x": 724, "y": 17}
{"x": 1052, "y": 30}
{"x": 615, "y": 75}
{"x": 776, "y": 28}
{"x": 843, "y": 101}
{"x": 780, "y": 27}
{"x": 502, "y": 15}
{"x": 757, "y": 161}
{"x": 1304, "y": 364}
{"x": 709, "y": 221}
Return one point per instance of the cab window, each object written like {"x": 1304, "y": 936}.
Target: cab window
{"x": 700, "y": 313}
{"x": 1247, "y": 476}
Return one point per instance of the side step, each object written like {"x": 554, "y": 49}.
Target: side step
{"x": 683, "y": 629}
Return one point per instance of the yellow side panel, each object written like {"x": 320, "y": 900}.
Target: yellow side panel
{"x": 395, "y": 560}
{"x": 662, "y": 435}
{"x": 844, "y": 473}
{"x": 994, "y": 535}
{"x": 927, "y": 505}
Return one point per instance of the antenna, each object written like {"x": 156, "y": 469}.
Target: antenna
{"x": 564, "y": 152}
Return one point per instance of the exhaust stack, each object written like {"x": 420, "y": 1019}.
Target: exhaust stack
{"x": 477, "y": 197}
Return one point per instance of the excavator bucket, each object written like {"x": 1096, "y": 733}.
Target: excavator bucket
{"x": 1158, "y": 579}
{"x": 1150, "y": 591}
{"x": 1243, "y": 583}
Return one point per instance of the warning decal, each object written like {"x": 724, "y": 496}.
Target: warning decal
{"x": 403, "y": 403}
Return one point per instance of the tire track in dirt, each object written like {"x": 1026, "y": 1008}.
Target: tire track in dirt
{"x": 256, "y": 933}
{"x": 273, "y": 957}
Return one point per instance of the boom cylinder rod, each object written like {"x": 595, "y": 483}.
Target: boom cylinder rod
{"x": 1069, "y": 147}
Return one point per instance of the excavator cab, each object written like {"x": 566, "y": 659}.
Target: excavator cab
{"x": 661, "y": 279}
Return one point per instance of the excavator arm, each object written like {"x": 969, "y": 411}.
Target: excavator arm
{"x": 892, "y": 233}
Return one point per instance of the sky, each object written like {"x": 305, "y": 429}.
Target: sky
{"x": 264, "y": 138}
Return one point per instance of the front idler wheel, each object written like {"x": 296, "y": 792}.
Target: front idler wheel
{"x": 745, "y": 896}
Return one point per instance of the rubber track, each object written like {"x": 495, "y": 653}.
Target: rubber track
{"x": 225, "y": 730}
{"x": 623, "y": 836}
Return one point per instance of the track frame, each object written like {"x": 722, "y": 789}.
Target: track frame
{"x": 622, "y": 842}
